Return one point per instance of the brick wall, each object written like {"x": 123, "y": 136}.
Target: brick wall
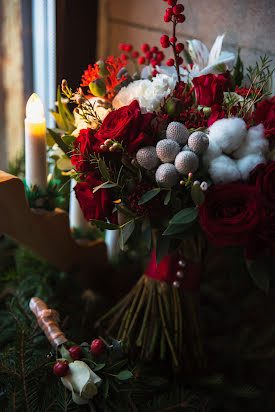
{"x": 249, "y": 24}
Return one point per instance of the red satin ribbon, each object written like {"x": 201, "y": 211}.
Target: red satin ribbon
{"x": 166, "y": 271}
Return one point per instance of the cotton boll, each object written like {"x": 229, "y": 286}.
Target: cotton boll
{"x": 223, "y": 170}
{"x": 228, "y": 134}
{"x": 254, "y": 143}
{"x": 248, "y": 163}
{"x": 211, "y": 153}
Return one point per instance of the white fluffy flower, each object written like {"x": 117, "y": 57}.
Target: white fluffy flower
{"x": 228, "y": 134}
{"x": 149, "y": 94}
{"x": 224, "y": 170}
{"x": 233, "y": 151}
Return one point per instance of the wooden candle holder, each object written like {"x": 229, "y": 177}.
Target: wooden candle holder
{"x": 48, "y": 235}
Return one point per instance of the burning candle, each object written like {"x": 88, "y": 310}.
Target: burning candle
{"x": 35, "y": 143}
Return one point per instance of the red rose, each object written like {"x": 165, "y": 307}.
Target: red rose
{"x": 126, "y": 125}
{"x": 83, "y": 148}
{"x": 230, "y": 214}
{"x": 265, "y": 113}
{"x": 263, "y": 178}
{"x": 217, "y": 113}
{"x": 210, "y": 88}
{"x": 96, "y": 205}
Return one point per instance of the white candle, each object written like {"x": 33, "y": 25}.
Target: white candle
{"x": 77, "y": 220}
{"x": 35, "y": 143}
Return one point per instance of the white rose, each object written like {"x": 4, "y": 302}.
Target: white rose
{"x": 149, "y": 94}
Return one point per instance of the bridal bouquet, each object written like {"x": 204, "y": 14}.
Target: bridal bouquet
{"x": 180, "y": 155}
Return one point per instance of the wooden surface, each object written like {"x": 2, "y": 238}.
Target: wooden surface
{"x": 48, "y": 235}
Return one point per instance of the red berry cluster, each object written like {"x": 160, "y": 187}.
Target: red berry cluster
{"x": 152, "y": 55}
{"x": 175, "y": 10}
{"x": 174, "y": 14}
{"x": 152, "y": 208}
{"x": 128, "y": 48}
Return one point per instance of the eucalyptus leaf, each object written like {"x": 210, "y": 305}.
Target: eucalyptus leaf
{"x": 105, "y": 185}
{"x": 162, "y": 247}
{"x": 103, "y": 169}
{"x": 197, "y": 195}
{"x": 68, "y": 139}
{"x": 260, "y": 271}
{"x": 58, "y": 120}
{"x": 104, "y": 225}
{"x": 148, "y": 196}
{"x": 99, "y": 366}
{"x": 126, "y": 232}
{"x": 167, "y": 197}
{"x": 61, "y": 109}
{"x": 176, "y": 229}
{"x": 106, "y": 388}
{"x": 185, "y": 216}
{"x": 125, "y": 210}
{"x": 124, "y": 375}
{"x": 63, "y": 146}
{"x": 49, "y": 140}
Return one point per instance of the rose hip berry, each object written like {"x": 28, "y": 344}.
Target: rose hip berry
{"x": 173, "y": 39}
{"x": 135, "y": 54}
{"x": 128, "y": 48}
{"x": 123, "y": 56}
{"x": 97, "y": 346}
{"x": 75, "y": 352}
{"x": 169, "y": 11}
{"x": 178, "y": 9}
{"x": 172, "y": 2}
{"x": 167, "y": 18}
{"x": 145, "y": 47}
{"x": 180, "y": 18}
{"x": 170, "y": 62}
{"x": 61, "y": 369}
{"x": 122, "y": 46}
{"x": 141, "y": 60}
{"x": 164, "y": 39}
{"x": 179, "y": 47}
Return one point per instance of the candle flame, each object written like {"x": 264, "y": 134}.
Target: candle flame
{"x": 34, "y": 108}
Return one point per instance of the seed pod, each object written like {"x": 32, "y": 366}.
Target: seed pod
{"x": 186, "y": 162}
{"x": 177, "y": 132}
{"x": 103, "y": 71}
{"x": 198, "y": 142}
{"x": 167, "y": 150}
{"x": 147, "y": 157}
{"x": 167, "y": 175}
{"x": 98, "y": 87}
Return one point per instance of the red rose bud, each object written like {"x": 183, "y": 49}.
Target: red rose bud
{"x": 75, "y": 352}
{"x": 145, "y": 47}
{"x": 169, "y": 12}
{"x": 178, "y": 9}
{"x": 121, "y": 46}
{"x": 141, "y": 60}
{"x": 98, "y": 87}
{"x": 174, "y": 106}
{"x": 172, "y": 2}
{"x": 61, "y": 369}
{"x": 135, "y": 54}
{"x": 97, "y": 347}
{"x": 170, "y": 62}
{"x": 173, "y": 39}
{"x": 180, "y": 18}
{"x": 167, "y": 18}
{"x": 179, "y": 47}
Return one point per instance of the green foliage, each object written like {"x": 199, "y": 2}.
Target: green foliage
{"x": 148, "y": 196}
